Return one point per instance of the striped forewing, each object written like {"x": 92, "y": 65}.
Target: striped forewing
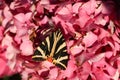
{"x": 53, "y": 46}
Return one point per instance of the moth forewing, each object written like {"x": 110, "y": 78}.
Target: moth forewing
{"x": 39, "y": 55}
{"x": 61, "y": 47}
{"x": 61, "y": 57}
{"x": 38, "y": 58}
{"x": 54, "y": 49}
{"x": 61, "y": 62}
{"x": 54, "y": 46}
{"x": 48, "y": 43}
{"x": 42, "y": 51}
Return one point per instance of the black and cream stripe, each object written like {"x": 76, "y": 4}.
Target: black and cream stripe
{"x": 54, "y": 47}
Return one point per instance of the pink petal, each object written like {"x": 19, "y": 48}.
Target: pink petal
{"x": 44, "y": 20}
{"x": 13, "y": 29}
{"x": 1, "y": 32}
{"x": 89, "y": 7}
{"x": 117, "y": 46}
{"x": 65, "y": 12}
{"x": 71, "y": 67}
{"x": 7, "y": 41}
{"x": 118, "y": 64}
{"x": 21, "y": 31}
{"x": 89, "y": 39}
{"x": 53, "y": 73}
{"x": 56, "y": 19}
{"x": 25, "y": 73}
{"x": 28, "y": 16}
{"x": 116, "y": 76}
{"x": 26, "y": 47}
{"x": 40, "y": 8}
{"x": 76, "y": 7}
{"x": 100, "y": 75}
{"x": 43, "y": 2}
{"x": 76, "y": 49}
{"x": 18, "y": 24}
{"x": 101, "y": 20}
{"x": 18, "y": 39}
{"x": 109, "y": 54}
{"x": 97, "y": 57}
{"x": 83, "y": 18}
{"x": 4, "y": 70}
{"x": 43, "y": 72}
{"x": 99, "y": 8}
{"x": 69, "y": 44}
{"x": 103, "y": 33}
{"x": 20, "y": 17}
{"x": 85, "y": 71}
{"x": 3, "y": 65}
{"x": 35, "y": 78}
{"x": 103, "y": 70}
{"x": 47, "y": 64}
{"x": 7, "y": 13}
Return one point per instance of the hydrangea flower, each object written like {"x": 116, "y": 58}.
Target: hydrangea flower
{"x": 91, "y": 30}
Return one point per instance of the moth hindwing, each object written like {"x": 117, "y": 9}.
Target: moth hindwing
{"x": 53, "y": 49}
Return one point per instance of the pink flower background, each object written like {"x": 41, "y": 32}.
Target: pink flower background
{"x": 91, "y": 29}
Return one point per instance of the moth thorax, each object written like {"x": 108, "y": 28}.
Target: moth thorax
{"x": 50, "y": 59}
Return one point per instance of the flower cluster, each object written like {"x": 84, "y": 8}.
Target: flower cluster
{"x": 91, "y": 29}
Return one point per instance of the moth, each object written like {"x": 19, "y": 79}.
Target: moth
{"x": 53, "y": 49}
